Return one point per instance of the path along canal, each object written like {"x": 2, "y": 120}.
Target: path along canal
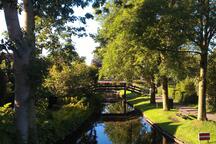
{"x": 119, "y": 126}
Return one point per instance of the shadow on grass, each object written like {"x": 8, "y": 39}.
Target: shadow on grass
{"x": 168, "y": 127}
{"x": 144, "y": 106}
{"x": 140, "y": 102}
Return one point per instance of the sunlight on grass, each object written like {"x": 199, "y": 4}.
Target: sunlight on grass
{"x": 184, "y": 129}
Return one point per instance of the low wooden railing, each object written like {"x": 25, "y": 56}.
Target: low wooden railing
{"x": 120, "y": 85}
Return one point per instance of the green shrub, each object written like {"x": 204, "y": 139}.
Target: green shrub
{"x": 7, "y": 128}
{"x": 77, "y": 79}
{"x": 63, "y": 122}
{"x": 185, "y": 92}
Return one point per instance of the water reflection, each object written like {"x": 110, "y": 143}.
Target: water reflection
{"x": 136, "y": 131}
{"x": 129, "y": 132}
{"x": 117, "y": 107}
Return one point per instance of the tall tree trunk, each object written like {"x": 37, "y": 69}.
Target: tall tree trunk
{"x": 29, "y": 27}
{"x": 25, "y": 45}
{"x": 153, "y": 91}
{"x": 202, "y": 86}
{"x": 22, "y": 97}
{"x": 165, "y": 93}
{"x": 33, "y": 135}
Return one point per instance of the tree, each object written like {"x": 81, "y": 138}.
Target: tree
{"x": 167, "y": 26}
{"x": 22, "y": 56}
{"x": 147, "y": 45}
{"x": 162, "y": 31}
{"x": 202, "y": 32}
{"x": 193, "y": 19}
{"x": 74, "y": 80}
{"x": 153, "y": 26}
{"x": 211, "y": 79}
{"x": 56, "y": 14}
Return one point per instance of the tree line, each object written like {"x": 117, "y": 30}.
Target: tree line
{"x": 160, "y": 42}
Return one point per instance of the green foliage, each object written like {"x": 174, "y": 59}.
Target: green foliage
{"x": 211, "y": 79}
{"x": 53, "y": 17}
{"x": 122, "y": 57}
{"x": 77, "y": 79}
{"x": 6, "y": 78}
{"x": 186, "y": 91}
{"x": 37, "y": 72}
{"x": 7, "y": 128}
{"x": 143, "y": 41}
{"x": 63, "y": 122}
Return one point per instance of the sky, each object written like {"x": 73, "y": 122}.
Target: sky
{"x": 84, "y": 45}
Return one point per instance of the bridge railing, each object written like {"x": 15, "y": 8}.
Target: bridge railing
{"x": 138, "y": 89}
{"x": 120, "y": 85}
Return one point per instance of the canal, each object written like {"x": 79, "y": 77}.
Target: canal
{"x": 119, "y": 126}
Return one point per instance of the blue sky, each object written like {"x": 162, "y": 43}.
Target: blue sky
{"x": 84, "y": 45}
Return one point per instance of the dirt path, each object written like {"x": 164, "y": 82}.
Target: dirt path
{"x": 193, "y": 111}
{"x": 187, "y": 110}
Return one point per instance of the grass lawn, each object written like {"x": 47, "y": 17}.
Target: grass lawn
{"x": 184, "y": 129}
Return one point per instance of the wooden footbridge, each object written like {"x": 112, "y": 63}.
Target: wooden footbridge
{"x": 113, "y": 86}
{"x": 113, "y": 89}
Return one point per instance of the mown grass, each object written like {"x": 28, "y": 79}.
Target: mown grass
{"x": 184, "y": 129}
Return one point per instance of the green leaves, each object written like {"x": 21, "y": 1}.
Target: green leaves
{"x": 66, "y": 80}
{"x": 143, "y": 40}
{"x": 89, "y": 16}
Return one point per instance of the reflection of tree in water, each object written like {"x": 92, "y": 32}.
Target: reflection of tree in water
{"x": 117, "y": 108}
{"x": 130, "y": 132}
{"x": 89, "y": 138}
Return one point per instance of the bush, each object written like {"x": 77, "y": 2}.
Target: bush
{"x": 71, "y": 85}
{"x": 77, "y": 79}
{"x": 186, "y": 92}
{"x": 7, "y": 128}
{"x": 64, "y": 121}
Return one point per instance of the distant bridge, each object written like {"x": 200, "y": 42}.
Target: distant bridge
{"x": 113, "y": 86}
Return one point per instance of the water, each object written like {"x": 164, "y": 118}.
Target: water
{"x": 116, "y": 107}
{"x": 134, "y": 131}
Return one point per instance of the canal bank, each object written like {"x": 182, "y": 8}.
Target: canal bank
{"x": 158, "y": 128}
{"x": 184, "y": 129}
{"x": 83, "y": 126}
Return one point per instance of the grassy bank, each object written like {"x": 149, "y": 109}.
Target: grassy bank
{"x": 184, "y": 129}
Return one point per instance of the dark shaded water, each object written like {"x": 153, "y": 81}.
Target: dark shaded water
{"x": 135, "y": 131}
